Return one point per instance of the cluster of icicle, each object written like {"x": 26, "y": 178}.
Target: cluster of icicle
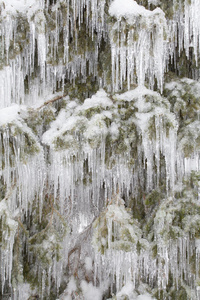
{"x": 142, "y": 42}
{"x": 44, "y": 40}
{"x": 23, "y": 178}
{"x": 186, "y": 20}
{"x": 137, "y": 53}
{"x": 16, "y": 166}
{"x": 177, "y": 257}
{"x": 139, "y": 41}
{"x": 103, "y": 179}
{"x": 164, "y": 260}
{"x": 84, "y": 175}
{"x": 81, "y": 178}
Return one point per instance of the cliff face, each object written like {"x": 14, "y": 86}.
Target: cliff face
{"x": 99, "y": 149}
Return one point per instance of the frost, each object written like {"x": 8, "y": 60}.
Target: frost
{"x": 99, "y": 149}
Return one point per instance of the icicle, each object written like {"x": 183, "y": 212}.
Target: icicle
{"x": 141, "y": 49}
{"x": 19, "y": 161}
{"x": 9, "y": 227}
{"x": 186, "y": 23}
{"x": 47, "y": 40}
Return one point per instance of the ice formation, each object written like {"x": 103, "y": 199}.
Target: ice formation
{"x": 24, "y": 33}
{"x": 138, "y": 41}
{"x": 99, "y": 149}
{"x": 141, "y": 43}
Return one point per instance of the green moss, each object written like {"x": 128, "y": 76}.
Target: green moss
{"x": 152, "y": 129}
{"x": 42, "y": 247}
{"x": 1, "y": 232}
{"x": 83, "y": 88}
{"x": 90, "y": 112}
{"x": 192, "y": 262}
{"x": 61, "y": 144}
{"x": 30, "y": 147}
{"x": 126, "y": 235}
{"x": 153, "y": 199}
{"x": 129, "y": 113}
{"x": 121, "y": 148}
{"x": 138, "y": 247}
{"x": 178, "y": 218}
{"x": 20, "y": 41}
{"x": 87, "y": 179}
{"x": 104, "y": 232}
{"x": 181, "y": 294}
{"x": 123, "y": 246}
{"x": 155, "y": 251}
{"x": 40, "y": 121}
{"x": 188, "y": 149}
{"x": 172, "y": 293}
{"x": 29, "y": 275}
{"x": 137, "y": 208}
{"x": 159, "y": 294}
{"x": 173, "y": 235}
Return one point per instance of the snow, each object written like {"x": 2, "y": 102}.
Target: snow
{"x": 130, "y": 9}
{"x": 25, "y": 291}
{"x": 72, "y": 118}
{"x": 71, "y": 286}
{"x": 20, "y": 6}
{"x": 99, "y": 99}
{"x": 154, "y": 2}
{"x": 127, "y": 290}
{"x": 136, "y": 93}
{"x": 96, "y": 127}
{"x": 144, "y": 297}
{"x": 88, "y": 263}
{"x": 9, "y": 114}
{"x": 90, "y": 292}
{"x": 114, "y": 130}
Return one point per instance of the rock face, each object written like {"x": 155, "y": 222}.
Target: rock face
{"x": 99, "y": 149}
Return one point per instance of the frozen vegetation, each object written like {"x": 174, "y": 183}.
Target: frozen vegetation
{"x": 99, "y": 149}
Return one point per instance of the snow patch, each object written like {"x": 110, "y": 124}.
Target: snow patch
{"x": 20, "y": 6}
{"x": 90, "y": 292}
{"x": 9, "y": 114}
{"x": 130, "y": 9}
